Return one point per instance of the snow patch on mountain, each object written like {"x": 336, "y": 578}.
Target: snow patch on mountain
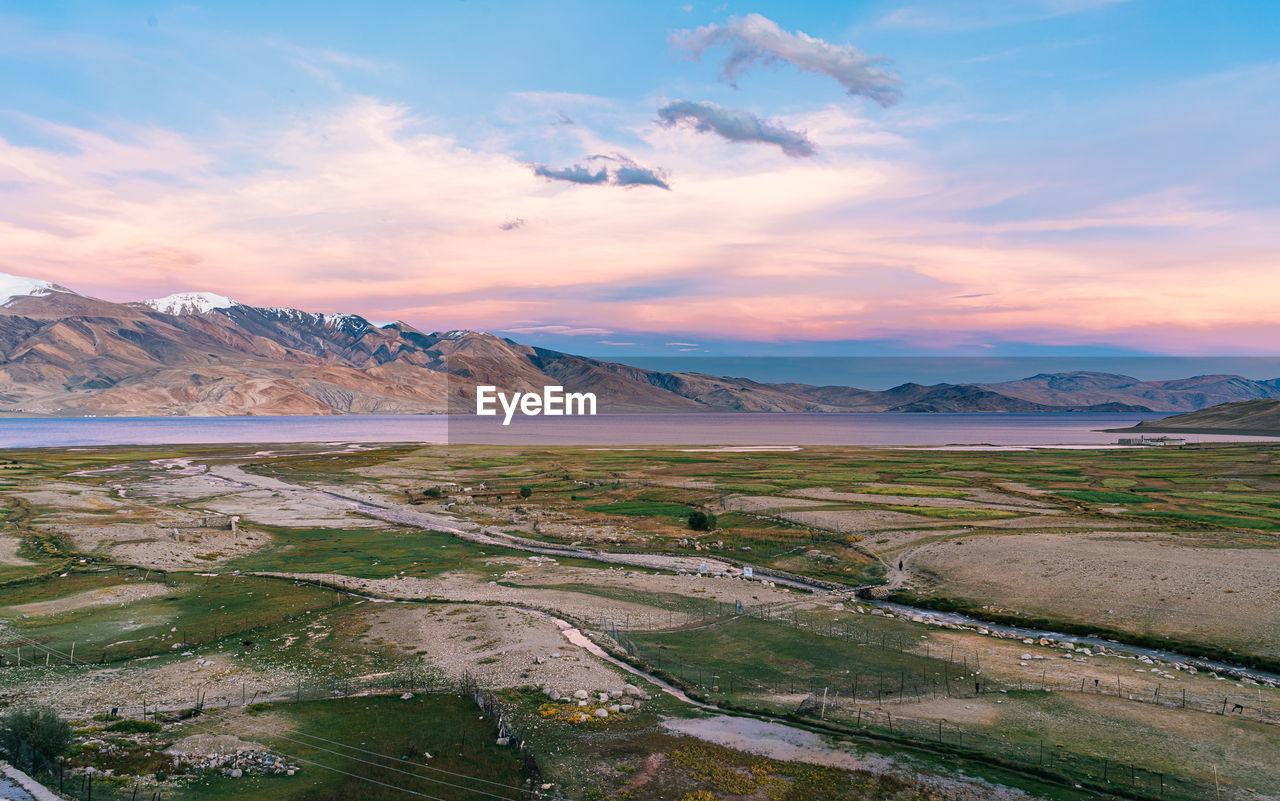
{"x": 351, "y": 321}
{"x": 18, "y": 286}
{"x": 345, "y": 320}
{"x": 190, "y": 303}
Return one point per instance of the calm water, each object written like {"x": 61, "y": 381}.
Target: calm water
{"x": 879, "y": 429}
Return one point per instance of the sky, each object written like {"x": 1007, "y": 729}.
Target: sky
{"x": 989, "y": 177}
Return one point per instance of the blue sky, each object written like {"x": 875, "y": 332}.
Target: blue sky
{"x": 1078, "y": 176}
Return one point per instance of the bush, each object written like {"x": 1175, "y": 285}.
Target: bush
{"x": 525, "y": 492}
{"x": 131, "y": 726}
{"x": 41, "y": 730}
{"x": 432, "y": 492}
{"x": 701, "y": 521}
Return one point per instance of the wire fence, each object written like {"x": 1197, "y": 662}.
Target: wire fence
{"x": 943, "y": 671}
{"x": 81, "y": 784}
{"x": 1044, "y": 757}
{"x": 864, "y": 701}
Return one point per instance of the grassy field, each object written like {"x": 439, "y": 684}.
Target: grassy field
{"x": 1173, "y": 547}
{"x": 866, "y": 685}
{"x": 317, "y": 737}
{"x": 367, "y": 553}
{"x": 1236, "y": 482}
{"x": 746, "y": 655}
{"x": 178, "y": 610}
{"x": 1214, "y": 497}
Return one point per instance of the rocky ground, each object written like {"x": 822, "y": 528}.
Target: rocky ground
{"x": 498, "y": 646}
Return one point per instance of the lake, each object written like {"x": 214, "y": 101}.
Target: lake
{"x": 885, "y": 429}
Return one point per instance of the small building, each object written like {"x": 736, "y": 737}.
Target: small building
{"x": 223, "y": 522}
{"x": 1153, "y": 442}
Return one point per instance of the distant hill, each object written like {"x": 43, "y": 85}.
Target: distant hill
{"x": 202, "y": 354}
{"x": 1177, "y": 395}
{"x": 1259, "y": 417}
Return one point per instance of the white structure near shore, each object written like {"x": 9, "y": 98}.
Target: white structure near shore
{"x": 1153, "y": 441}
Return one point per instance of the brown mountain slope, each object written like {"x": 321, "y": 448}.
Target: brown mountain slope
{"x": 202, "y": 354}
{"x": 1261, "y": 417}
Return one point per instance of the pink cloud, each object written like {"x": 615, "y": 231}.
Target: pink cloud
{"x": 368, "y": 209}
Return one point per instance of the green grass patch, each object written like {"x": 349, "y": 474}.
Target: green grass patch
{"x": 190, "y": 609}
{"x": 764, "y": 654}
{"x": 367, "y": 553}
{"x": 460, "y": 739}
{"x": 1226, "y": 521}
{"x": 131, "y": 726}
{"x": 1105, "y": 496}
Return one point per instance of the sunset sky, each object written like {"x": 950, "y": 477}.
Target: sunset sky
{"x": 614, "y": 178}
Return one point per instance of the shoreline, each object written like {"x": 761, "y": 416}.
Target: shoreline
{"x": 1238, "y": 432}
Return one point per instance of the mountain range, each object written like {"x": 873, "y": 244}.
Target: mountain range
{"x": 202, "y": 354}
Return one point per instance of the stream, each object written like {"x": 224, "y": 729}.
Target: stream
{"x": 480, "y": 535}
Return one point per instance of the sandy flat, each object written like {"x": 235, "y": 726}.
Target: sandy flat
{"x": 786, "y": 744}
{"x": 500, "y": 646}
{"x": 9, "y": 552}
{"x": 1228, "y": 596}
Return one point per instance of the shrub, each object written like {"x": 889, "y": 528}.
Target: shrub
{"x": 525, "y": 492}
{"x": 131, "y": 726}
{"x": 41, "y": 730}
{"x": 701, "y": 521}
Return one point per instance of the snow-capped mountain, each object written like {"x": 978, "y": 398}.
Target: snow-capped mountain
{"x": 201, "y": 353}
{"x": 190, "y": 303}
{"x": 18, "y": 286}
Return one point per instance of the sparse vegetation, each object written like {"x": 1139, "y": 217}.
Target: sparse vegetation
{"x": 846, "y": 515}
